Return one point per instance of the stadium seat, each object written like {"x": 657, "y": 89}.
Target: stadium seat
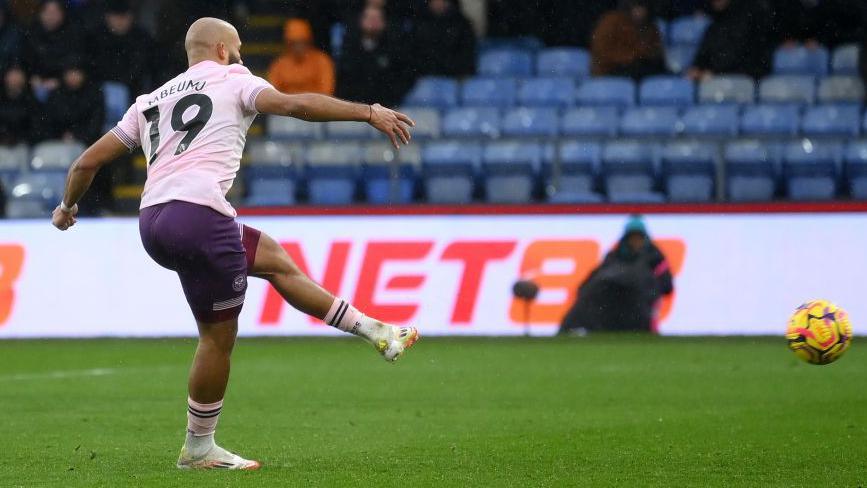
{"x": 666, "y": 90}
{"x": 612, "y": 91}
{"x": 547, "y": 92}
{"x": 844, "y": 60}
{"x": 727, "y": 89}
{"x": 270, "y": 174}
{"x": 55, "y": 155}
{"x": 679, "y": 58}
{"x": 770, "y": 120}
{"x": 117, "y": 101}
{"x": 590, "y": 122}
{"x": 509, "y": 169}
{"x": 811, "y": 169}
{"x": 662, "y": 25}
{"x": 801, "y": 61}
{"x": 787, "y": 89}
{"x": 506, "y": 62}
{"x": 710, "y": 120}
{"x": 563, "y": 61}
{"x": 856, "y": 169}
{"x": 427, "y": 122}
{"x": 13, "y": 161}
{"x": 389, "y": 175}
{"x": 270, "y": 192}
{"x": 750, "y": 170}
{"x": 290, "y": 128}
{"x": 489, "y": 92}
{"x": 472, "y": 122}
{"x": 841, "y": 89}
{"x": 689, "y": 171}
{"x": 433, "y": 92}
{"x": 649, "y": 121}
{"x": 526, "y": 43}
{"x": 25, "y": 208}
{"x": 349, "y": 130}
{"x": 267, "y": 153}
{"x": 832, "y": 120}
{"x": 687, "y": 30}
{"x": 573, "y": 178}
{"x": 332, "y": 172}
{"x": 448, "y": 171}
{"x": 531, "y": 122}
{"x": 629, "y": 171}
{"x": 45, "y": 188}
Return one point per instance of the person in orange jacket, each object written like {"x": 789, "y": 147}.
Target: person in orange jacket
{"x": 302, "y": 68}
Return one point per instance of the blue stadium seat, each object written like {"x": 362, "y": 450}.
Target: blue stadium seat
{"x": 116, "y": 99}
{"x": 612, "y": 91}
{"x": 270, "y": 192}
{"x": 801, "y": 61}
{"x": 547, "y": 92}
{"x": 387, "y": 184}
{"x": 663, "y": 27}
{"x": 845, "y": 60}
{"x": 832, "y": 120}
{"x": 629, "y": 169}
{"x": 448, "y": 171}
{"x": 531, "y": 122}
{"x": 268, "y": 153}
{"x": 689, "y": 171}
{"x": 428, "y": 124}
{"x": 711, "y": 120}
{"x": 506, "y": 62}
{"x": 667, "y": 90}
{"x": 472, "y": 122}
{"x": 750, "y": 170}
{"x": 55, "y": 155}
{"x": 841, "y": 89}
{"x": 563, "y": 61}
{"x": 509, "y": 169}
{"x": 290, "y": 128}
{"x": 687, "y": 30}
{"x": 271, "y": 173}
{"x": 856, "y": 169}
{"x": 489, "y": 92}
{"x": 350, "y": 130}
{"x": 526, "y": 43}
{"x": 649, "y": 121}
{"x": 573, "y": 179}
{"x": 13, "y": 162}
{"x": 332, "y": 172}
{"x": 679, "y": 58}
{"x": 590, "y": 122}
{"x": 433, "y": 92}
{"x": 770, "y": 120}
{"x": 738, "y": 89}
{"x": 811, "y": 169}
{"x": 787, "y": 89}
{"x": 43, "y": 189}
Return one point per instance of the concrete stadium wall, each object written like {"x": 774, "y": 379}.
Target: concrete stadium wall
{"x": 736, "y": 272}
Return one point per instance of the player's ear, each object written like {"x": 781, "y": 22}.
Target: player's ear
{"x": 222, "y": 52}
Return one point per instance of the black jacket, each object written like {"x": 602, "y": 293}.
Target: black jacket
{"x": 737, "y": 41}
{"x": 377, "y": 75}
{"x": 444, "y": 46}
{"x": 621, "y": 293}
{"x": 127, "y": 58}
{"x": 10, "y": 39}
{"x": 80, "y": 112}
{"x": 19, "y": 117}
{"x": 45, "y": 54}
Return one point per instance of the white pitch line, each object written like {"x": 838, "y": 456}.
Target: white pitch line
{"x": 56, "y": 375}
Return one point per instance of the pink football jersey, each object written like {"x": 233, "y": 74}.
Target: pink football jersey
{"x": 192, "y": 131}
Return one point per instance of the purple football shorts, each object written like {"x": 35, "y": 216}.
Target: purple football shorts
{"x": 211, "y": 253}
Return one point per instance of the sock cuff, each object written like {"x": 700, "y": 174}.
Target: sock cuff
{"x": 204, "y": 410}
{"x": 343, "y": 316}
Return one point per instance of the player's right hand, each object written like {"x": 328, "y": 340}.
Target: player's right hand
{"x": 64, "y": 220}
{"x": 392, "y": 123}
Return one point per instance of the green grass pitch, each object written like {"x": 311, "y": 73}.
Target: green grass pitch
{"x": 599, "y": 411}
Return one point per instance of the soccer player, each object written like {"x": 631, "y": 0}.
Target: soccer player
{"x": 192, "y": 131}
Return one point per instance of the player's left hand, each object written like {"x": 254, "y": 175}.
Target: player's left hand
{"x": 392, "y": 123}
{"x": 64, "y": 220}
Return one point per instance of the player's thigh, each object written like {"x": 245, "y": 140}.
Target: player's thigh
{"x": 271, "y": 259}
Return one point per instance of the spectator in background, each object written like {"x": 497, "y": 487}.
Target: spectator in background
{"x": 737, "y": 41}
{"x": 624, "y": 291}
{"x": 75, "y": 110}
{"x": 18, "y": 109}
{"x": 47, "y": 46}
{"x": 10, "y": 38}
{"x": 372, "y": 67}
{"x": 302, "y": 68}
{"x": 627, "y": 42}
{"x": 120, "y": 50}
{"x": 444, "y": 43}
{"x": 862, "y": 58}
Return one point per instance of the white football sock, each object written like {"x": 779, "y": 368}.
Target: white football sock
{"x": 347, "y": 318}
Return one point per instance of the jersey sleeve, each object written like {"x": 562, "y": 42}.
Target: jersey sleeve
{"x": 127, "y": 130}
{"x": 251, "y": 86}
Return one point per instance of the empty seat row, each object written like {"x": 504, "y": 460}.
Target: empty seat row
{"x": 655, "y": 90}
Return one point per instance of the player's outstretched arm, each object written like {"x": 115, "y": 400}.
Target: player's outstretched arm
{"x": 81, "y": 173}
{"x": 314, "y": 107}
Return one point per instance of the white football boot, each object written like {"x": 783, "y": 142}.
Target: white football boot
{"x": 216, "y": 458}
{"x": 392, "y": 341}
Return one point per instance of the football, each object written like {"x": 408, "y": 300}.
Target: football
{"x": 819, "y": 332}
